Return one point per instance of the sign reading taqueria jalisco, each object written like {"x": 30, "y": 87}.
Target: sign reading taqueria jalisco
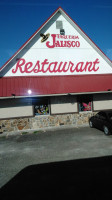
{"x": 66, "y": 43}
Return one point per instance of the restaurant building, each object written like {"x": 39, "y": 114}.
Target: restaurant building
{"x": 59, "y": 77}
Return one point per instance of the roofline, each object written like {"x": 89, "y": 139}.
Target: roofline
{"x": 51, "y": 95}
{"x": 86, "y": 35}
{"x": 29, "y": 38}
{"x": 58, "y": 9}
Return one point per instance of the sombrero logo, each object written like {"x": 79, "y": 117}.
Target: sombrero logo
{"x": 61, "y": 40}
{"x": 44, "y": 37}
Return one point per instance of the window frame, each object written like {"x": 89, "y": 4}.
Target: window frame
{"x": 34, "y": 104}
{"x": 79, "y": 99}
{"x": 102, "y": 115}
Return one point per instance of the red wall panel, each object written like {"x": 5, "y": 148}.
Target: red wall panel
{"x": 54, "y": 84}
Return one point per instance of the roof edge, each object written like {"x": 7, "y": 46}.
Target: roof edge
{"x": 86, "y": 35}
{"x": 62, "y": 11}
{"x": 29, "y": 39}
{"x": 60, "y": 94}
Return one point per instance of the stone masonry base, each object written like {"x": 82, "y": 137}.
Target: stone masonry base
{"x": 39, "y": 122}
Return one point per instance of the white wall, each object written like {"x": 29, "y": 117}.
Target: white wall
{"x": 63, "y": 104}
{"x": 102, "y": 102}
{"x": 11, "y": 108}
{"x": 22, "y": 111}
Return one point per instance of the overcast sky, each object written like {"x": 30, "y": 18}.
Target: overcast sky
{"x": 19, "y": 19}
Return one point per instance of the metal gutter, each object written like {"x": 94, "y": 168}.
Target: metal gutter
{"x": 51, "y": 95}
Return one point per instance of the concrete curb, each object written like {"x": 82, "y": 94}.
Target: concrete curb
{"x": 30, "y": 131}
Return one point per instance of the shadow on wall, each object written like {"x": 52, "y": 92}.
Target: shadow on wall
{"x": 85, "y": 179}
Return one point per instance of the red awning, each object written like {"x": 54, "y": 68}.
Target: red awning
{"x": 54, "y": 85}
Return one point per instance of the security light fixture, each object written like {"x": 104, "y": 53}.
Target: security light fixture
{"x": 29, "y": 91}
{"x": 13, "y": 95}
{"x": 62, "y": 32}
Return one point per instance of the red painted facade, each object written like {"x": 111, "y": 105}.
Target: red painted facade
{"x": 54, "y": 85}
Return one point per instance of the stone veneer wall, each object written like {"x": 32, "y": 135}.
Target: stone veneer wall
{"x": 39, "y": 122}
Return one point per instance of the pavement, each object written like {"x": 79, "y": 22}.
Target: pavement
{"x": 26, "y": 149}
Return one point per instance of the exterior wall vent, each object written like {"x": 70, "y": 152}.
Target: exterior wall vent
{"x": 59, "y": 25}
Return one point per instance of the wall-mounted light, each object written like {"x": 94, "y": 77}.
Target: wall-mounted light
{"x": 62, "y": 32}
{"x": 29, "y": 91}
{"x": 13, "y": 95}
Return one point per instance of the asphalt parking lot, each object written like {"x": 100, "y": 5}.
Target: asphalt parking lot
{"x": 20, "y": 151}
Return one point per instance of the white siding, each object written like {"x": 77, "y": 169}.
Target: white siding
{"x": 63, "y": 104}
{"x": 102, "y": 102}
{"x": 11, "y": 108}
{"x": 12, "y": 112}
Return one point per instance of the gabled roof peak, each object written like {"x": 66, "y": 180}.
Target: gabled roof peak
{"x": 68, "y": 18}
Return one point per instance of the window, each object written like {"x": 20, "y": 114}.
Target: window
{"x": 59, "y": 25}
{"x": 110, "y": 116}
{"x": 41, "y": 106}
{"x": 85, "y": 103}
{"x": 102, "y": 115}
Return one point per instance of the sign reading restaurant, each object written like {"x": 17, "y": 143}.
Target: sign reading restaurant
{"x": 53, "y": 67}
{"x": 56, "y": 53}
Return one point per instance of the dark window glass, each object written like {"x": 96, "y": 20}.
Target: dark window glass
{"x": 41, "y": 106}
{"x": 85, "y": 103}
{"x": 102, "y": 115}
{"x": 110, "y": 116}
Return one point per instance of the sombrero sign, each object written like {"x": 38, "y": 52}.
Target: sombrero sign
{"x": 44, "y": 37}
